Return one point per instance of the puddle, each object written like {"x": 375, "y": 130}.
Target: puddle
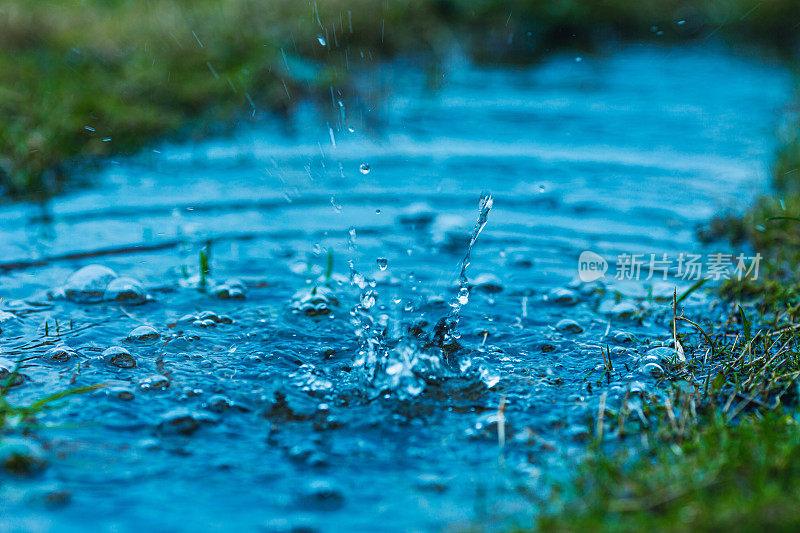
{"x": 337, "y": 365}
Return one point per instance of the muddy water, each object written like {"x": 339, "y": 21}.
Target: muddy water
{"x": 305, "y": 383}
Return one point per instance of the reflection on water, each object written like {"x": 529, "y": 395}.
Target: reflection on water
{"x": 332, "y": 359}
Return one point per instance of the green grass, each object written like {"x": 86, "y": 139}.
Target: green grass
{"x": 718, "y": 448}
{"x": 135, "y": 71}
{"x": 741, "y": 477}
{"x": 723, "y": 451}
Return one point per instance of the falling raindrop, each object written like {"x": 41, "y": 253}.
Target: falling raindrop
{"x": 322, "y": 40}
{"x": 364, "y": 168}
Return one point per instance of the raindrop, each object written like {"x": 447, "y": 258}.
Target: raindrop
{"x": 364, "y": 168}
{"x": 322, "y": 40}
{"x": 382, "y": 263}
{"x": 368, "y": 299}
{"x": 463, "y": 296}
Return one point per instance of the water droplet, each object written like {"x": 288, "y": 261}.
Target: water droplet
{"x": 364, "y": 168}
{"x": 463, "y": 296}
{"x": 368, "y": 299}
{"x": 382, "y": 263}
{"x": 322, "y": 40}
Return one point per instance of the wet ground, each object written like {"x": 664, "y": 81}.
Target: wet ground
{"x": 334, "y": 370}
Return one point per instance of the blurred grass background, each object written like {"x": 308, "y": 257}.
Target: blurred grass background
{"x": 86, "y": 78}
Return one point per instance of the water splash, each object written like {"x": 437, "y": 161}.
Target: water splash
{"x": 402, "y": 359}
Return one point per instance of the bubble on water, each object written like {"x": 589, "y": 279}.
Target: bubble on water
{"x": 652, "y": 368}
{"x": 322, "y": 494}
{"x": 182, "y": 421}
{"x": 321, "y": 40}
{"x": 622, "y": 337}
{"x": 568, "y": 326}
{"x": 7, "y": 370}
{"x": 562, "y": 296}
{"x": 21, "y": 456}
{"x": 382, "y": 263}
{"x": 143, "y": 334}
{"x": 661, "y": 354}
{"x": 214, "y": 317}
{"x": 125, "y": 290}
{"x": 232, "y": 289}
{"x": 154, "y": 382}
{"x": 488, "y": 283}
{"x": 119, "y": 357}
{"x": 316, "y": 301}
{"x": 121, "y": 392}
{"x": 364, "y": 168}
{"x": 60, "y": 354}
{"x": 219, "y": 403}
{"x": 88, "y": 284}
{"x": 624, "y": 310}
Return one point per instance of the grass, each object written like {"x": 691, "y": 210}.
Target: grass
{"x": 22, "y": 419}
{"x": 82, "y": 79}
{"x": 718, "y": 448}
{"x": 744, "y": 477}
{"x": 721, "y": 450}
